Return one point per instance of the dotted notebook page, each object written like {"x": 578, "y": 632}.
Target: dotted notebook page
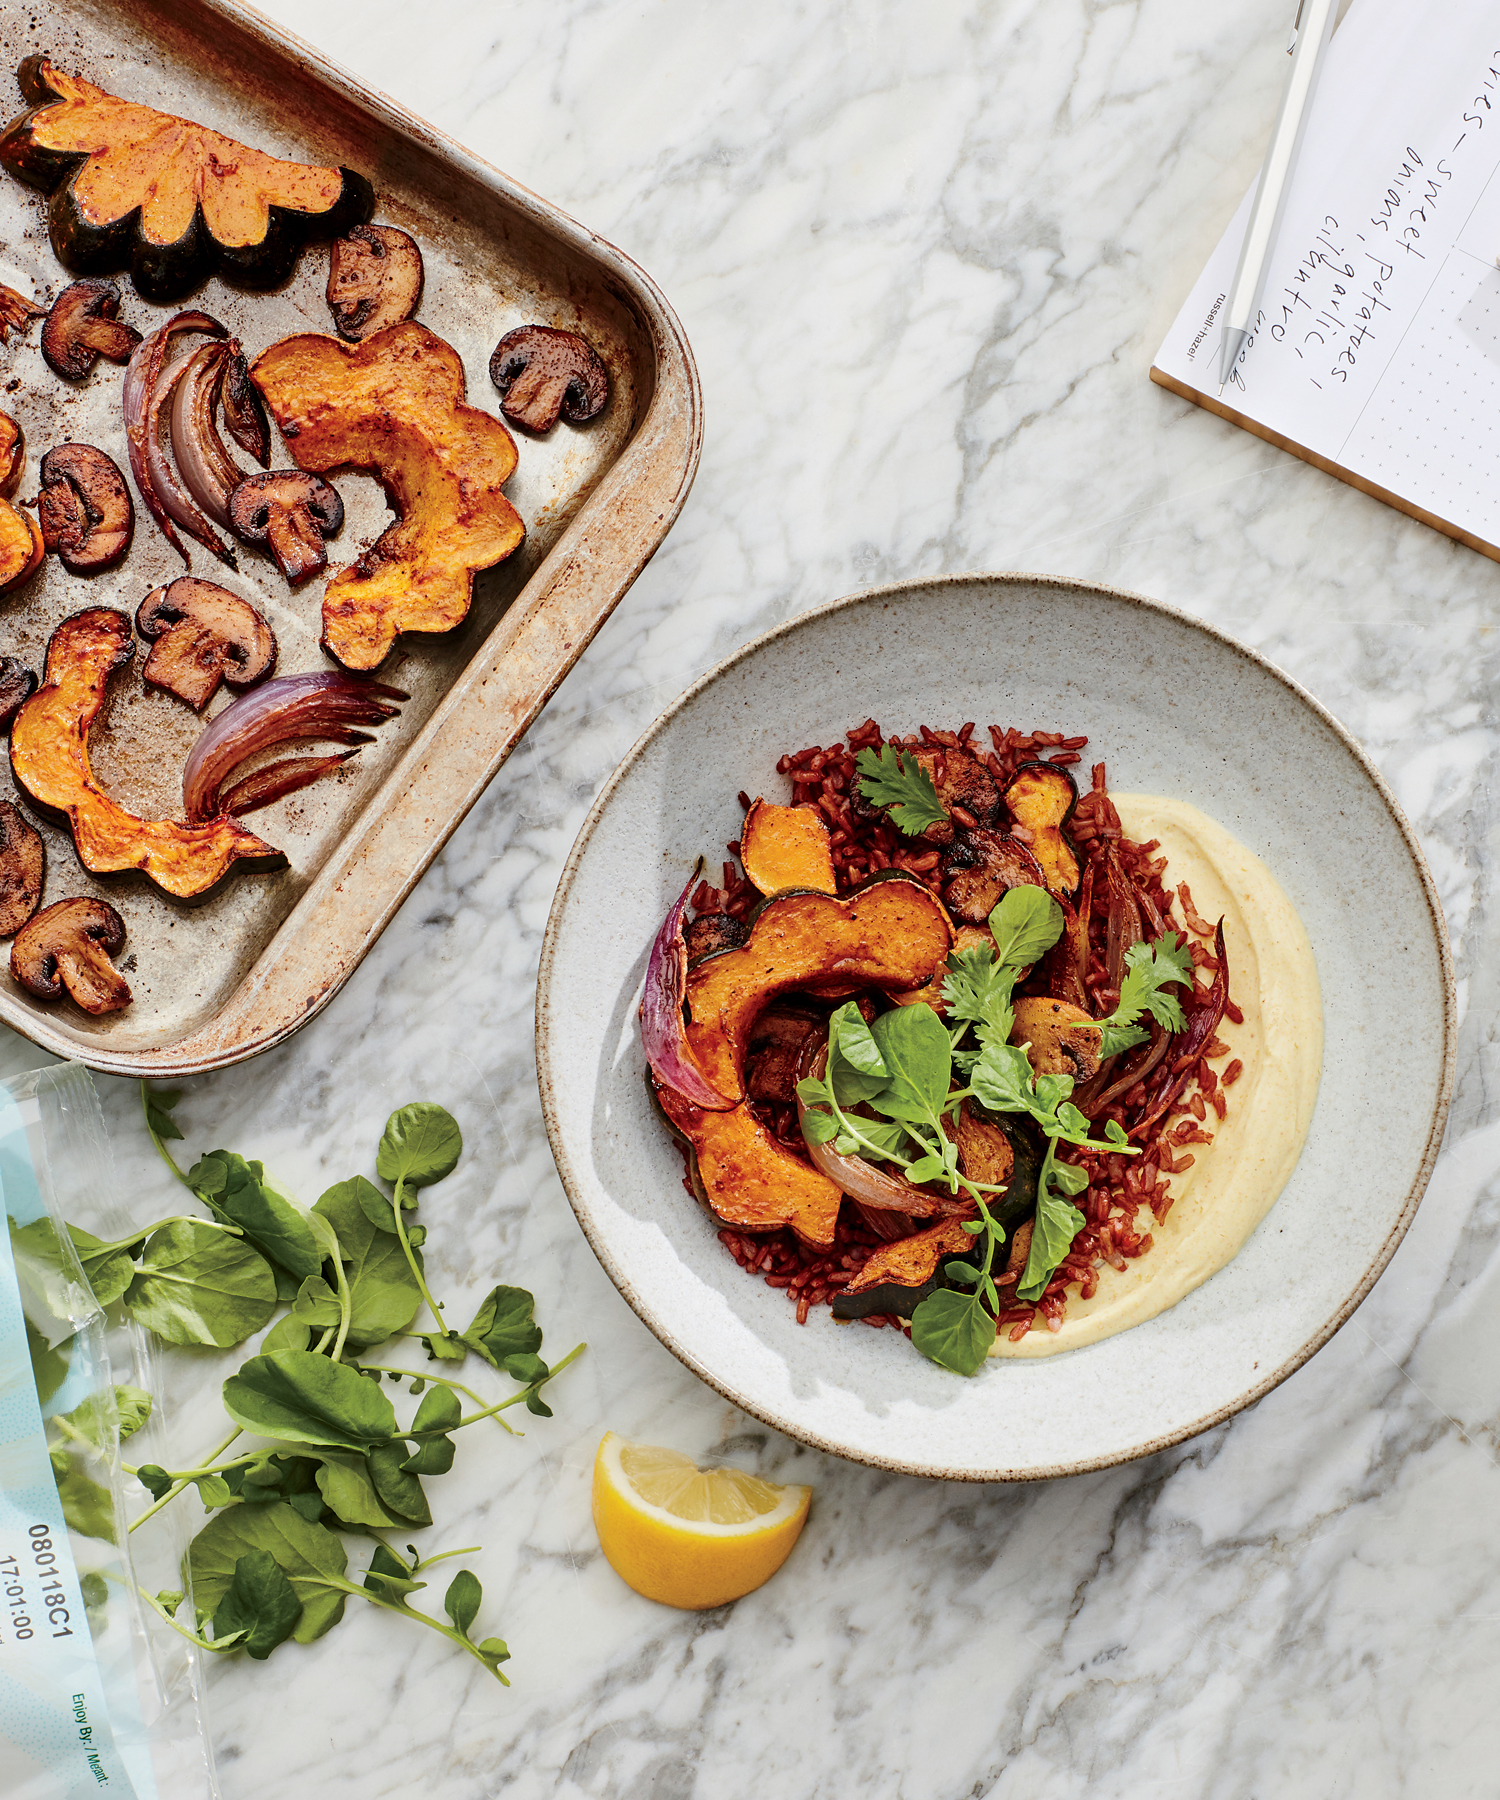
{"x": 1431, "y": 429}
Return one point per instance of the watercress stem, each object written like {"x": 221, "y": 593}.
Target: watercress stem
{"x": 533, "y": 1387}
{"x": 178, "y": 1485}
{"x": 346, "y": 1307}
{"x": 192, "y": 1637}
{"x": 435, "y": 1381}
{"x": 410, "y": 1612}
{"x": 161, "y": 1149}
{"x": 411, "y": 1260}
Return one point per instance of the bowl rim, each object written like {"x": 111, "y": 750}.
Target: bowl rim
{"x": 1082, "y": 1465}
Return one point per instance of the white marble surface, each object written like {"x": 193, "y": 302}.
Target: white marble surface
{"x": 924, "y": 255}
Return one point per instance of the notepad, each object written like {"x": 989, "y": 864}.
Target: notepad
{"x": 1375, "y": 352}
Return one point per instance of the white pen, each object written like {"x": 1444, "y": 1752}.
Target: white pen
{"x": 1311, "y": 30}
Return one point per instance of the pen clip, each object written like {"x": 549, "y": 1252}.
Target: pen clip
{"x": 1296, "y": 27}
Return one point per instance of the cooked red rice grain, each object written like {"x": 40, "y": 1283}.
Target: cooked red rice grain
{"x": 1062, "y": 760}
{"x": 1233, "y": 1013}
{"x": 1232, "y": 1073}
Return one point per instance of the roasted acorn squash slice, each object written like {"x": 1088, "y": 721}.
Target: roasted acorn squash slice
{"x": 172, "y": 200}
{"x": 1041, "y": 797}
{"x": 787, "y": 847}
{"x": 891, "y": 934}
{"x": 395, "y": 405}
{"x": 49, "y": 755}
{"x": 745, "y": 1177}
{"x": 902, "y": 1274}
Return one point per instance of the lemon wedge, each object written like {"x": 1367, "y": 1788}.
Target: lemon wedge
{"x": 687, "y": 1536}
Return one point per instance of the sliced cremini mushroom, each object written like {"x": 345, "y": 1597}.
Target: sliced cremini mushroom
{"x": 203, "y": 635}
{"x": 86, "y": 512}
{"x": 17, "y": 685}
{"x": 290, "y": 513}
{"x": 23, "y": 868}
{"x": 1063, "y": 1039}
{"x": 68, "y": 947}
{"x": 541, "y": 372}
{"x": 83, "y": 325}
{"x": 16, "y": 313}
{"x": 374, "y": 280}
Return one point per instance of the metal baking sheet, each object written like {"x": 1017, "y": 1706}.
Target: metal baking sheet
{"x": 222, "y": 979}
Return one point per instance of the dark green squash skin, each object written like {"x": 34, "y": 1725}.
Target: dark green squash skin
{"x": 162, "y": 272}
{"x": 886, "y": 1297}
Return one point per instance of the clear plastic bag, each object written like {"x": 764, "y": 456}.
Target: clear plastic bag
{"x": 94, "y": 1689}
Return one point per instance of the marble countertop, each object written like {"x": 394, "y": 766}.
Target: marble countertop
{"x": 924, "y": 256}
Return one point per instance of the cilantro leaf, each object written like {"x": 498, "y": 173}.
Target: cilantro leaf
{"x": 977, "y": 990}
{"x": 1150, "y": 970}
{"x": 902, "y": 786}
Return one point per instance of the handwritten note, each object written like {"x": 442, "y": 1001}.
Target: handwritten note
{"x": 1377, "y": 342}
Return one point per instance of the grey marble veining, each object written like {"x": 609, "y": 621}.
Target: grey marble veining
{"x": 924, "y": 256}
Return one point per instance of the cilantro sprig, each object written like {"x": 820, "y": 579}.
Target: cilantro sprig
{"x": 902, "y": 786}
{"x": 1149, "y": 970}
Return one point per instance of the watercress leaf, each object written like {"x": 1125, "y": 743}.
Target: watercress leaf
{"x": 848, "y": 1085}
{"x": 209, "y": 1175}
{"x": 525, "y": 1367}
{"x": 1001, "y": 1079}
{"x": 303, "y": 1398}
{"x": 493, "y": 1651}
{"x": 536, "y": 1404}
{"x": 818, "y": 1127}
{"x": 213, "y": 1490}
{"x": 316, "y": 1303}
{"x": 463, "y": 1599}
{"x": 420, "y": 1145}
{"x": 348, "y": 1489}
{"x": 902, "y": 786}
{"x": 1025, "y": 925}
{"x": 106, "y": 1267}
{"x": 440, "y": 1410}
{"x": 974, "y": 1226}
{"x": 880, "y": 1137}
{"x": 1069, "y": 1179}
{"x": 965, "y": 1274}
{"x": 378, "y": 1208}
{"x": 812, "y": 1092}
{"x": 154, "y": 1479}
{"x": 310, "y": 1556}
{"x": 273, "y": 1223}
{"x": 169, "y": 1599}
{"x": 286, "y": 1334}
{"x": 260, "y": 1605}
{"x": 49, "y": 1363}
{"x": 1052, "y": 1090}
{"x": 444, "y": 1349}
{"x": 1071, "y": 1120}
{"x": 503, "y": 1326}
{"x": 399, "y": 1489}
{"x": 855, "y": 1042}
{"x": 433, "y": 1457}
{"x": 953, "y": 1330}
{"x": 389, "y": 1577}
{"x": 1115, "y": 1132}
{"x": 197, "y": 1285}
{"x": 1055, "y": 1226}
{"x": 95, "y": 1419}
{"x": 88, "y": 1508}
{"x": 159, "y": 1103}
{"x": 308, "y": 1506}
{"x": 383, "y": 1292}
{"x": 925, "y": 1168}
{"x": 918, "y": 1054}
{"x": 416, "y": 1236}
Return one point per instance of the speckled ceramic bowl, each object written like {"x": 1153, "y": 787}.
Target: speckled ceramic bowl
{"x": 1175, "y": 709}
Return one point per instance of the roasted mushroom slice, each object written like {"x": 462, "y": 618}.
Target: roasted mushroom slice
{"x": 16, "y": 313}
{"x": 374, "y": 280}
{"x": 1061, "y": 1039}
{"x": 84, "y": 325}
{"x": 87, "y": 515}
{"x": 713, "y": 932}
{"x": 290, "y": 513}
{"x": 17, "y": 685}
{"x": 23, "y": 868}
{"x": 983, "y": 866}
{"x": 203, "y": 635}
{"x": 541, "y": 372}
{"x": 68, "y": 947}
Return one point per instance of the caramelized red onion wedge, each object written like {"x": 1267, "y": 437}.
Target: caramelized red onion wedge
{"x": 1202, "y": 1023}
{"x": 208, "y": 470}
{"x": 663, "y": 1033}
{"x": 244, "y": 411}
{"x": 862, "y": 1181}
{"x": 155, "y": 367}
{"x": 1092, "y": 1098}
{"x": 320, "y": 705}
{"x": 276, "y": 780}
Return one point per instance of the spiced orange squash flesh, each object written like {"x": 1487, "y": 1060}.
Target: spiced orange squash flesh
{"x": 21, "y": 545}
{"x": 892, "y": 934}
{"x": 49, "y": 755}
{"x": 171, "y": 199}
{"x": 787, "y": 847}
{"x": 396, "y": 405}
{"x": 747, "y": 1179}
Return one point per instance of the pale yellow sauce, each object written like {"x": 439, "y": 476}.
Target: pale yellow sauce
{"x": 1235, "y": 1181}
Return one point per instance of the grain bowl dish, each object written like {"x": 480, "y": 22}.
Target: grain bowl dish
{"x": 953, "y": 1048}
